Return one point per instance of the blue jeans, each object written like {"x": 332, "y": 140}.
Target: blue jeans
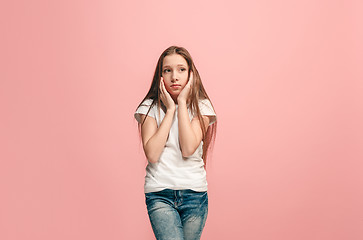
{"x": 177, "y": 214}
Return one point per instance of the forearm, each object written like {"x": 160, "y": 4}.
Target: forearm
{"x": 187, "y": 138}
{"x": 155, "y": 145}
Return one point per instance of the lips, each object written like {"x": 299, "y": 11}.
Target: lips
{"x": 175, "y": 85}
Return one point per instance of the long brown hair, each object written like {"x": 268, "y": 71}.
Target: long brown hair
{"x": 197, "y": 93}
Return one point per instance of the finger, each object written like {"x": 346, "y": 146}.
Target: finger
{"x": 164, "y": 88}
{"x": 190, "y": 81}
{"x": 164, "y": 91}
{"x": 161, "y": 85}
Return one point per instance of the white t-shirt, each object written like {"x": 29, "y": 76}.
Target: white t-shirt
{"x": 173, "y": 171}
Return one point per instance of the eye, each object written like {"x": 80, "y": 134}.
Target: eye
{"x": 182, "y": 69}
{"x": 166, "y": 70}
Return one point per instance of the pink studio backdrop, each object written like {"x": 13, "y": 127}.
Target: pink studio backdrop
{"x": 285, "y": 78}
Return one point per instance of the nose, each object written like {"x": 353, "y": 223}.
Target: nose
{"x": 174, "y": 76}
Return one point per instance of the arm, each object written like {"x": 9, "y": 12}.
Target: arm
{"x": 190, "y": 132}
{"x": 154, "y": 138}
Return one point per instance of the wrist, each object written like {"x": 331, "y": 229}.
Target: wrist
{"x": 182, "y": 101}
{"x": 171, "y": 109}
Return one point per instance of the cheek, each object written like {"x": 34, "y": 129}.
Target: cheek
{"x": 168, "y": 89}
{"x": 167, "y": 83}
{"x": 185, "y": 79}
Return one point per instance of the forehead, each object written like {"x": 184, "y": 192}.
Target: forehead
{"x": 174, "y": 60}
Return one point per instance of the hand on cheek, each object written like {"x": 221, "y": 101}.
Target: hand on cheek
{"x": 165, "y": 96}
{"x": 184, "y": 94}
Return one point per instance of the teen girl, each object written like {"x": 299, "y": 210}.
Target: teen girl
{"x": 176, "y": 121}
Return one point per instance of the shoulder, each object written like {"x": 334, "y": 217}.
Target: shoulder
{"x": 205, "y": 104}
{"x": 145, "y": 109}
{"x": 206, "y": 109}
{"x": 147, "y": 102}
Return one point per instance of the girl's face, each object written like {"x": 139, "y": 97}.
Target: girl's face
{"x": 175, "y": 73}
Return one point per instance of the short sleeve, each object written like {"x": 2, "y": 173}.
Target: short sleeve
{"x": 206, "y": 109}
{"x": 143, "y": 109}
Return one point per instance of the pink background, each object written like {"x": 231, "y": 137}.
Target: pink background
{"x": 285, "y": 78}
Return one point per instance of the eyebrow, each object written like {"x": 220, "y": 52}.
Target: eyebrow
{"x": 177, "y": 65}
